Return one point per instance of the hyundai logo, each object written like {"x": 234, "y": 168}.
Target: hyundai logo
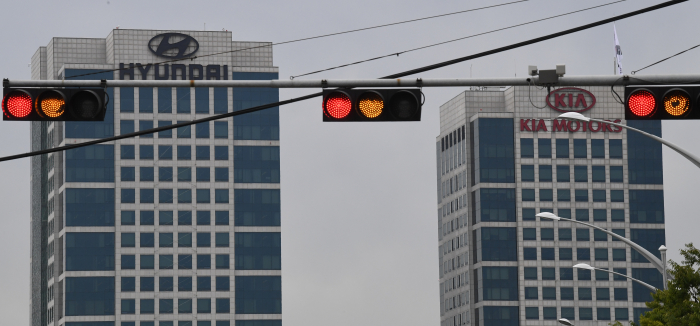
{"x": 173, "y": 45}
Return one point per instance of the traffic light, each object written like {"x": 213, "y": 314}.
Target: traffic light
{"x": 662, "y": 102}
{"x": 371, "y": 105}
{"x": 53, "y": 104}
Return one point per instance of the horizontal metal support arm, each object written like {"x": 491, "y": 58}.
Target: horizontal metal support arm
{"x": 603, "y": 80}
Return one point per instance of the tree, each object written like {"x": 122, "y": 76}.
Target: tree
{"x": 680, "y": 304}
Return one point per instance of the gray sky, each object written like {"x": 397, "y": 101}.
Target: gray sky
{"x": 359, "y": 240}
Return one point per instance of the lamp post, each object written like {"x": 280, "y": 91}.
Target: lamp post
{"x": 684, "y": 153}
{"x": 649, "y": 256}
{"x": 663, "y": 261}
{"x": 591, "y": 268}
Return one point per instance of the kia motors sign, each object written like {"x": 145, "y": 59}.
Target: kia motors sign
{"x": 173, "y": 45}
{"x": 570, "y": 99}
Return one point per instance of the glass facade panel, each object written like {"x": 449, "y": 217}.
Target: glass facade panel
{"x": 89, "y": 296}
{"x": 563, "y": 173}
{"x": 545, "y": 173}
{"x": 90, "y": 164}
{"x": 257, "y": 250}
{"x": 260, "y": 125}
{"x": 497, "y": 205}
{"x": 89, "y": 207}
{"x": 527, "y": 173}
{"x": 126, "y": 99}
{"x": 499, "y": 244}
{"x": 580, "y": 148}
{"x": 258, "y": 295}
{"x": 501, "y": 316}
{"x": 527, "y": 149}
{"x": 644, "y": 154}
{"x": 649, "y": 239}
{"x": 165, "y": 100}
{"x": 562, "y": 148}
{"x": 646, "y": 206}
{"x": 500, "y": 283}
{"x": 256, "y": 164}
{"x": 146, "y": 99}
{"x": 89, "y": 251}
{"x": 257, "y": 207}
{"x": 544, "y": 148}
{"x": 597, "y": 148}
{"x": 496, "y": 150}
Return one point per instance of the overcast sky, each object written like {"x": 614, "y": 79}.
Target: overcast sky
{"x": 359, "y": 240}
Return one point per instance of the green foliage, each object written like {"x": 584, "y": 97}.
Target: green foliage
{"x": 679, "y": 304}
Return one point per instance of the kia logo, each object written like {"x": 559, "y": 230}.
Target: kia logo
{"x": 570, "y": 99}
{"x": 173, "y": 45}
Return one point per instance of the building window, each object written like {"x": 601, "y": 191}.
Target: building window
{"x": 221, "y": 174}
{"x": 564, "y": 234}
{"x": 583, "y": 254}
{"x": 566, "y": 293}
{"x": 203, "y": 218}
{"x": 547, "y": 253}
{"x": 497, "y": 205}
{"x": 128, "y": 284}
{"x": 546, "y": 195}
{"x": 145, "y": 99}
{"x": 549, "y": 293}
{"x": 184, "y": 261}
{"x": 563, "y": 173}
{"x": 643, "y": 154}
{"x": 532, "y": 312}
{"x": 128, "y": 173}
{"x": 566, "y": 274}
{"x": 183, "y": 99}
{"x": 126, "y": 126}
{"x": 616, "y": 174}
{"x": 203, "y": 283}
{"x": 562, "y": 148}
{"x": 165, "y": 133}
{"x": 563, "y": 195}
{"x": 601, "y": 254}
{"x": 529, "y": 234}
{"x": 128, "y": 306}
{"x": 128, "y": 240}
{"x": 646, "y": 206}
{"x": 256, "y": 164}
{"x": 222, "y": 261}
{"x": 599, "y": 196}
{"x": 184, "y": 218}
{"x": 544, "y": 148}
{"x": 146, "y": 196}
{"x": 548, "y": 274}
{"x": 203, "y": 196}
{"x": 184, "y": 195}
{"x": 585, "y": 294}
{"x": 580, "y": 173}
{"x": 147, "y": 284}
{"x": 545, "y": 173}
{"x": 201, "y": 100}
{"x": 220, "y": 129}
{"x": 146, "y": 217}
{"x": 527, "y": 149}
{"x": 257, "y": 207}
{"x": 599, "y": 235}
{"x": 496, "y": 157}
{"x": 617, "y": 196}
{"x": 649, "y": 239}
{"x": 260, "y": 295}
{"x": 203, "y": 261}
{"x": 566, "y": 254}
{"x": 615, "y": 148}
{"x": 500, "y": 283}
{"x": 583, "y": 235}
{"x": 202, "y": 130}
{"x": 128, "y": 218}
{"x": 223, "y": 283}
{"x": 146, "y": 152}
{"x": 145, "y": 125}
{"x": 126, "y": 99}
{"x": 165, "y": 240}
{"x": 581, "y": 195}
{"x": 92, "y": 164}
{"x": 619, "y": 255}
{"x": 530, "y": 273}
{"x": 184, "y": 152}
{"x": 499, "y": 244}
{"x": 620, "y": 294}
{"x": 530, "y": 253}
{"x": 256, "y": 250}
{"x": 580, "y": 148}
{"x": 165, "y": 152}
{"x": 528, "y": 194}
{"x": 221, "y": 153}
{"x": 582, "y": 215}
{"x": 617, "y": 215}
{"x": 203, "y": 153}
{"x": 128, "y": 261}
{"x": 203, "y": 174}
{"x": 127, "y": 152}
{"x": 597, "y": 148}
{"x": 527, "y": 173}
{"x": 598, "y": 173}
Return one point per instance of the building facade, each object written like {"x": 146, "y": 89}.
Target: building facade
{"x": 178, "y": 228}
{"x": 502, "y": 157}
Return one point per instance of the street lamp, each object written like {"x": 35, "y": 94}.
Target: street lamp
{"x": 654, "y": 261}
{"x": 684, "y": 153}
{"x": 591, "y": 268}
{"x": 565, "y": 321}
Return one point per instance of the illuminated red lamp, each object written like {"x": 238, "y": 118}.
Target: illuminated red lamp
{"x": 642, "y": 103}
{"x": 337, "y": 105}
{"x": 17, "y": 104}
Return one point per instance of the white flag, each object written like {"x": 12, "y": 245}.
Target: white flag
{"x": 618, "y": 54}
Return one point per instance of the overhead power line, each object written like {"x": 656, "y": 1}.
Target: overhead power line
{"x": 662, "y": 60}
{"x": 310, "y": 96}
{"x": 453, "y": 40}
{"x": 315, "y": 37}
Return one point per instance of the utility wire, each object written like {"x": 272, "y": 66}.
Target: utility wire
{"x": 314, "y": 37}
{"x": 453, "y": 40}
{"x": 660, "y": 61}
{"x": 306, "y": 97}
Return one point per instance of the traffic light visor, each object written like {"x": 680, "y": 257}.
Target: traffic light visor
{"x": 51, "y": 104}
{"x": 676, "y": 102}
{"x": 17, "y": 104}
{"x": 337, "y": 105}
{"x": 642, "y": 103}
{"x": 371, "y": 104}
{"x": 86, "y": 105}
{"x": 403, "y": 105}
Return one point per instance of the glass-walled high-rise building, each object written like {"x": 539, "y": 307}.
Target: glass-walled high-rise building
{"x": 177, "y": 228}
{"x": 503, "y": 157}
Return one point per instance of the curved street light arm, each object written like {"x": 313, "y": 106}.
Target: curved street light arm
{"x": 679, "y": 150}
{"x": 633, "y": 279}
{"x": 649, "y": 256}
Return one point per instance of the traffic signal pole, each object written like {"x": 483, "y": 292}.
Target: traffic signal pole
{"x": 600, "y": 80}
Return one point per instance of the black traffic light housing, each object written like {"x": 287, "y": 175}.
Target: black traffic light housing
{"x": 54, "y": 104}
{"x": 668, "y": 102}
{"x": 372, "y": 105}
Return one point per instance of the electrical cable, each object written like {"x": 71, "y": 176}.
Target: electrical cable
{"x": 529, "y": 97}
{"x": 660, "y": 61}
{"x": 454, "y": 40}
{"x": 310, "y": 96}
{"x": 314, "y": 37}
